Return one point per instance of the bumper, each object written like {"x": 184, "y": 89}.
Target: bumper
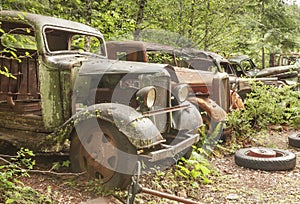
{"x": 181, "y": 143}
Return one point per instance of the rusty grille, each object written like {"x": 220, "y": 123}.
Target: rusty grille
{"x": 221, "y": 90}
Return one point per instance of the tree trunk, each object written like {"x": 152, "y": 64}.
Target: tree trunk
{"x": 139, "y": 20}
{"x": 263, "y": 36}
{"x": 89, "y": 12}
{"x": 191, "y": 23}
{"x": 272, "y": 60}
{"x": 207, "y": 26}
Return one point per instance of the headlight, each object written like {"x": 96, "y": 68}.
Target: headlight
{"x": 146, "y": 96}
{"x": 181, "y": 92}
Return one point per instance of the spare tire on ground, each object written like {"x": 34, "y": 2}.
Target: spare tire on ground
{"x": 294, "y": 140}
{"x": 268, "y": 159}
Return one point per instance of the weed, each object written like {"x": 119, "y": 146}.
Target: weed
{"x": 14, "y": 191}
{"x": 195, "y": 168}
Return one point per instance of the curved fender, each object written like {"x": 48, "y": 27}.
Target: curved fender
{"x": 213, "y": 110}
{"x": 187, "y": 119}
{"x": 139, "y": 130}
{"x": 236, "y": 101}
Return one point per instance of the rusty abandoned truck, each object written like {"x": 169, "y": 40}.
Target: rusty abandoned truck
{"x": 112, "y": 112}
{"x": 210, "y": 61}
{"x": 209, "y": 92}
{"x": 243, "y": 65}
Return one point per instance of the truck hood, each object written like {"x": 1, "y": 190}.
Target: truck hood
{"x": 89, "y": 64}
{"x": 191, "y": 76}
{"x": 101, "y": 66}
{"x": 287, "y": 71}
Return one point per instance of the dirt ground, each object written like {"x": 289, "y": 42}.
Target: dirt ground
{"x": 231, "y": 184}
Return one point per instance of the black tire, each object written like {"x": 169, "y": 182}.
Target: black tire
{"x": 284, "y": 160}
{"x": 210, "y": 124}
{"x": 294, "y": 140}
{"x": 104, "y": 153}
{"x": 187, "y": 153}
{"x": 243, "y": 93}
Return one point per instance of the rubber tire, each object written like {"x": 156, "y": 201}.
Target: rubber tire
{"x": 243, "y": 93}
{"x": 280, "y": 163}
{"x": 188, "y": 153}
{"x": 210, "y": 124}
{"x": 294, "y": 140}
{"x": 118, "y": 180}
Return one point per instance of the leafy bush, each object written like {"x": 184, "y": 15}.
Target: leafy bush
{"x": 12, "y": 190}
{"x": 265, "y": 106}
{"x": 195, "y": 168}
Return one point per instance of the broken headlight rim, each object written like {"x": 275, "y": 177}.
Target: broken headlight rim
{"x": 146, "y": 96}
{"x": 181, "y": 92}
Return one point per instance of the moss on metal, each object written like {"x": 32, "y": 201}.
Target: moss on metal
{"x": 140, "y": 131}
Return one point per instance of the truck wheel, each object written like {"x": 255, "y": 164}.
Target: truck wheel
{"x": 209, "y": 123}
{"x": 98, "y": 148}
{"x": 243, "y": 93}
{"x": 294, "y": 140}
{"x": 267, "y": 159}
{"x": 187, "y": 153}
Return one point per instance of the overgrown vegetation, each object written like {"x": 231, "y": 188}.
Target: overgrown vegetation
{"x": 195, "y": 169}
{"x": 12, "y": 190}
{"x": 266, "y": 105}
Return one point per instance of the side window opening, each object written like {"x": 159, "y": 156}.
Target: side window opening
{"x": 17, "y": 39}
{"x": 19, "y": 57}
{"x": 86, "y": 43}
{"x": 61, "y": 40}
{"x": 161, "y": 57}
{"x": 56, "y": 40}
{"x": 246, "y": 65}
{"x": 121, "y": 56}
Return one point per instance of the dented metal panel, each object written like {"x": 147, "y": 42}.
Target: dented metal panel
{"x": 214, "y": 111}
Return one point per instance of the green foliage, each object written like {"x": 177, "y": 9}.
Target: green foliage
{"x": 160, "y": 58}
{"x": 226, "y": 26}
{"x": 195, "y": 168}
{"x": 12, "y": 190}
{"x": 24, "y": 159}
{"x": 96, "y": 188}
{"x": 58, "y": 165}
{"x": 266, "y": 105}
{"x": 4, "y": 71}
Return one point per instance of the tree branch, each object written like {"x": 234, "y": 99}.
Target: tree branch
{"x": 39, "y": 171}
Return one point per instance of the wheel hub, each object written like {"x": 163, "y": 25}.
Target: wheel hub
{"x": 261, "y": 152}
{"x": 100, "y": 154}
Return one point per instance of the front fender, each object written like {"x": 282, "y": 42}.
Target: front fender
{"x": 214, "y": 111}
{"x": 187, "y": 119}
{"x": 139, "y": 130}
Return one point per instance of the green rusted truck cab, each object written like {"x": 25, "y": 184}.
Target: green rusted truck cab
{"x": 33, "y": 50}
{"x": 62, "y": 87}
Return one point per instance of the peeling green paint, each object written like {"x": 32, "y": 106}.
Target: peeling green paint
{"x": 50, "y": 101}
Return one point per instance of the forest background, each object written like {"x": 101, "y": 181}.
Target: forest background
{"x": 257, "y": 28}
